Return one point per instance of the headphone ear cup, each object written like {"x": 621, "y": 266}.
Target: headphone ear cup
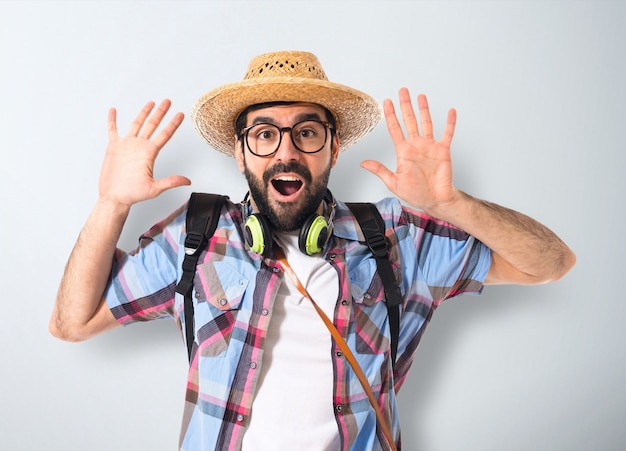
{"x": 313, "y": 235}
{"x": 258, "y": 234}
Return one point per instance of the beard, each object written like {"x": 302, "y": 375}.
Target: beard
{"x": 287, "y": 216}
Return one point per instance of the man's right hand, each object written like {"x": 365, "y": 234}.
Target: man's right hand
{"x": 127, "y": 174}
{"x": 80, "y": 310}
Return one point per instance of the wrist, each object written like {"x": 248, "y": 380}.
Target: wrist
{"x": 450, "y": 209}
{"x": 112, "y": 207}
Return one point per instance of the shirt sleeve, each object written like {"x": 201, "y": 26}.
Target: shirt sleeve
{"x": 142, "y": 283}
{"x": 440, "y": 260}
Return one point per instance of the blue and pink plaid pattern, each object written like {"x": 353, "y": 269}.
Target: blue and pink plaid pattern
{"x": 234, "y": 291}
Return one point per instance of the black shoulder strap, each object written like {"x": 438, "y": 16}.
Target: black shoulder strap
{"x": 373, "y": 228}
{"x": 203, "y": 213}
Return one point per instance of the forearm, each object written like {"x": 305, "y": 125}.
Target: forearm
{"x": 79, "y": 311}
{"x": 524, "y": 250}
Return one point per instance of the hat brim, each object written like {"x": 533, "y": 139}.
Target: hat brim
{"x": 214, "y": 114}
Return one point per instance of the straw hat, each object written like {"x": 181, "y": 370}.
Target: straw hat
{"x": 283, "y": 76}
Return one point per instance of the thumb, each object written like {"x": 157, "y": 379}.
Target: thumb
{"x": 170, "y": 182}
{"x": 379, "y": 170}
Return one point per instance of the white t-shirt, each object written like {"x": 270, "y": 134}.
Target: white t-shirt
{"x": 293, "y": 406}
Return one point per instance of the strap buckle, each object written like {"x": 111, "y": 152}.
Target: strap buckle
{"x": 193, "y": 242}
{"x": 378, "y": 245}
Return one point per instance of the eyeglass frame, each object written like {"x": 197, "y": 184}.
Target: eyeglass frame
{"x": 243, "y": 136}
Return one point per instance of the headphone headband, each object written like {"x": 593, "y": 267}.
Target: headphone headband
{"x": 314, "y": 233}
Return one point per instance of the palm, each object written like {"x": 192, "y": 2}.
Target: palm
{"x": 423, "y": 176}
{"x": 127, "y": 175}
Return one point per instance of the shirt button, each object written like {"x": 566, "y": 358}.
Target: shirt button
{"x": 344, "y": 302}
{"x": 240, "y": 417}
{"x": 338, "y": 354}
{"x": 253, "y": 365}
{"x": 197, "y": 295}
{"x": 367, "y": 296}
{"x": 223, "y": 301}
{"x": 332, "y": 256}
{"x": 339, "y": 408}
{"x": 276, "y": 269}
{"x": 264, "y": 312}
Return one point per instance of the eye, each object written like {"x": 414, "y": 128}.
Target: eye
{"x": 264, "y": 132}
{"x": 307, "y": 133}
{"x": 309, "y": 130}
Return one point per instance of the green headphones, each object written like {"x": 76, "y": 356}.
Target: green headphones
{"x": 314, "y": 233}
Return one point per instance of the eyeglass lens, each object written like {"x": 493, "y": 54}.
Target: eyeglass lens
{"x": 307, "y": 136}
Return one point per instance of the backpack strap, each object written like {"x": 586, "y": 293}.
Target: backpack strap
{"x": 373, "y": 228}
{"x": 203, "y": 213}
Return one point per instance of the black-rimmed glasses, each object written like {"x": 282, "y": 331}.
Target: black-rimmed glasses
{"x": 263, "y": 139}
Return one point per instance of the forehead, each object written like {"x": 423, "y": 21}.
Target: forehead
{"x": 288, "y": 113}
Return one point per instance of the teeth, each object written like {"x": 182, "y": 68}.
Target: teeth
{"x": 287, "y": 178}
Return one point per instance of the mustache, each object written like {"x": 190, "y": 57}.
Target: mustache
{"x": 294, "y": 167}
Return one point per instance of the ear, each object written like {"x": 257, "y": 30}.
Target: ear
{"x": 334, "y": 151}
{"x": 239, "y": 155}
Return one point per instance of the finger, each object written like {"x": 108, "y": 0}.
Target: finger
{"x": 448, "y": 133}
{"x": 170, "y": 182}
{"x": 140, "y": 119}
{"x": 164, "y": 136}
{"x": 427, "y": 123}
{"x": 408, "y": 114}
{"x": 379, "y": 170}
{"x": 155, "y": 119}
{"x": 112, "y": 124}
{"x": 393, "y": 126}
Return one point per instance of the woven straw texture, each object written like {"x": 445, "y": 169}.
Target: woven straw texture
{"x": 283, "y": 76}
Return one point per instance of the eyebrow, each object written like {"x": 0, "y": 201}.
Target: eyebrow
{"x": 299, "y": 118}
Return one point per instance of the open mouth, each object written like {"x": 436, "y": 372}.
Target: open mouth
{"x": 287, "y": 185}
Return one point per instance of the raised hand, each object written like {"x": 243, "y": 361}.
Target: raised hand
{"x": 127, "y": 174}
{"x": 423, "y": 176}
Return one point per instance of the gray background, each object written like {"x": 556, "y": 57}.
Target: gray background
{"x": 539, "y": 88}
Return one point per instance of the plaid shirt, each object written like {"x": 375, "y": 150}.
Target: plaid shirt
{"x": 233, "y": 296}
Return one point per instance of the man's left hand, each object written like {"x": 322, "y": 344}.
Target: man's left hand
{"x": 423, "y": 176}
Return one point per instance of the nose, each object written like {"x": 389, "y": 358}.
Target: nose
{"x": 286, "y": 150}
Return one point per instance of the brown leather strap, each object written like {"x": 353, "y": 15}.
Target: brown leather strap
{"x": 280, "y": 256}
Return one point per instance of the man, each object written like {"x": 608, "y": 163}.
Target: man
{"x": 264, "y": 371}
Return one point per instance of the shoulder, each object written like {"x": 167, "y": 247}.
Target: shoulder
{"x": 172, "y": 226}
{"x": 391, "y": 209}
